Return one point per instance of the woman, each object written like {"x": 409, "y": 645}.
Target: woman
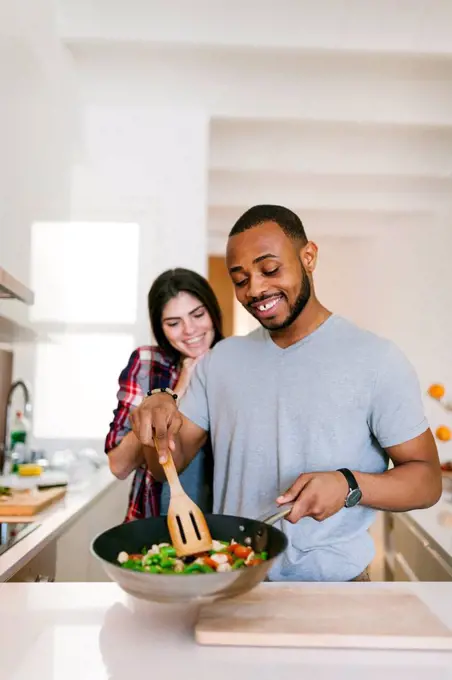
{"x": 186, "y": 322}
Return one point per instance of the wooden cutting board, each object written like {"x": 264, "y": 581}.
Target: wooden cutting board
{"x": 331, "y": 617}
{"x": 29, "y": 502}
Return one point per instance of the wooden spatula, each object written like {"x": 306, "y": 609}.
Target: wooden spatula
{"x": 186, "y": 523}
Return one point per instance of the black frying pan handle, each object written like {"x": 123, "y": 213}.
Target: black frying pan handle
{"x": 280, "y": 514}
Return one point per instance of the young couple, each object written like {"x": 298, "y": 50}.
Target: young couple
{"x": 308, "y": 408}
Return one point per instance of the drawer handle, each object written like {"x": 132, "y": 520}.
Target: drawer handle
{"x": 442, "y": 563}
{"x": 40, "y": 578}
{"x": 417, "y": 534}
{"x": 406, "y": 567}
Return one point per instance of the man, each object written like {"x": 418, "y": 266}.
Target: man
{"x": 309, "y": 402}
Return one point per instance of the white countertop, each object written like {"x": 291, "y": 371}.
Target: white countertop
{"x": 54, "y": 520}
{"x": 60, "y": 631}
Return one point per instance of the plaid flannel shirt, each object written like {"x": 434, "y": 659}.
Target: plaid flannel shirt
{"x": 147, "y": 366}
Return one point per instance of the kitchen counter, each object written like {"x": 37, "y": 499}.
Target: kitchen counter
{"x": 62, "y": 631}
{"x": 56, "y": 519}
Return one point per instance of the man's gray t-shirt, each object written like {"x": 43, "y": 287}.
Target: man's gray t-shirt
{"x": 335, "y": 399}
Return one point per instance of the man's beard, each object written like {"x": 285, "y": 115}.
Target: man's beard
{"x": 296, "y": 309}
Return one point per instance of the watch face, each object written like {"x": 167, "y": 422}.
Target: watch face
{"x": 353, "y": 498}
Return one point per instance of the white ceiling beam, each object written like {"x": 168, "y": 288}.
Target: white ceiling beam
{"x": 334, "y": 222}
{"x": 340, "y": 148}
{"x": 258, "y": 85}
{"x": 332, "y": 192}
{"x": 331, "y": 180}
{"x": 404, "y": 26}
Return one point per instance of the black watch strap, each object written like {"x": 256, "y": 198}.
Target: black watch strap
{"x": 354, "y": 492}
{"x": 350, "y": 477}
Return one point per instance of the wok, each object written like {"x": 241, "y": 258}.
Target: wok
{"x": 171, "y": 588}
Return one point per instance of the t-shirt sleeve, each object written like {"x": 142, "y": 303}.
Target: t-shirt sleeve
{"x": 397, "y": 410}
{"x": 194, "y": 404}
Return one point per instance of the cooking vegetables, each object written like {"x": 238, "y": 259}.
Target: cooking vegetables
{"x": 162, "y": 559}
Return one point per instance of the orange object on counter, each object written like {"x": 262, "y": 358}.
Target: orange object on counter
{"x": 436, "y": 391}
{"x": 443, "y": 433}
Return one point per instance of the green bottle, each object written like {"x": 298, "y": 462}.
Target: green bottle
{"x": 18, "y": 435}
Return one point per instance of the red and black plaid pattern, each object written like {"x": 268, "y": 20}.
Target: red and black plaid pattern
{"x": 147, "y": 368}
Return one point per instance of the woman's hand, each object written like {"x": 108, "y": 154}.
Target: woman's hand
{"x": 126, "y": 457}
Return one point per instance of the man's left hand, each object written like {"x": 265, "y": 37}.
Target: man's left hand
{"x": 316, "y": 494}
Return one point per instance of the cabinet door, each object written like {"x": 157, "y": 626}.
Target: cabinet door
{"x": 74, "y": 560}
{"x": 422, "y": 558}
{"x": 110, "y": 512}
{"x": 40, "y": 568}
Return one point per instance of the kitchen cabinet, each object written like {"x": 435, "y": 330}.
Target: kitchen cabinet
{"x": 39, "y": 568}
{"x": 74, "y": 561}
{"x": 411, "y": 554}
{"x": 6, "y": 379}
{"x": 11, "y": 288}
{"x": 64, "y": 555}
{"x": 13, "y": 324}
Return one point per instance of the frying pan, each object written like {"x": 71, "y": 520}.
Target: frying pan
{"x": 175, "y": 588}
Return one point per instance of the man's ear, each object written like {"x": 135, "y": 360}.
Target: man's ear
{"x": 308, "y": 255}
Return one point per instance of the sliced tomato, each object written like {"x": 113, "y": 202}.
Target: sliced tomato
{"x": 254, "y": 562}
{"x": 242, "y": 551}
{"x": 210, "y": 562}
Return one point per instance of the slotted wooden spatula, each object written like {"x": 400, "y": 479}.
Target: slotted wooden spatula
{"x": 186, "y": 523}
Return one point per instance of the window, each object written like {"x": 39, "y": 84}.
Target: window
{"x": 86, "y": 289}
{"x": 83, "y": 273}
{"x": 76, "y": 383}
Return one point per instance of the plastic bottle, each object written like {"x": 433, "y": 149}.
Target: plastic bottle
{"x": 19, "y": 432}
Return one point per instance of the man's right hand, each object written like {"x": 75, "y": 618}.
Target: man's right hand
{"x": 158, "y": 420}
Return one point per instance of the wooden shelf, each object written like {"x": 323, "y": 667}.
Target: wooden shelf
{"x": 11, "y": 288}
{"x": 12, "y": 331}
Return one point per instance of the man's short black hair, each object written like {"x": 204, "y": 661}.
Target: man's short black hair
{"x": 289, "y": 222}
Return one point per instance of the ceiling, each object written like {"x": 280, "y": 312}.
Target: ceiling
{"x": 340, "y": 109}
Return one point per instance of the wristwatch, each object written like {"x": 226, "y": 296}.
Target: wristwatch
{"x": 354, "y": 492}
{"x": 162, "y": 389}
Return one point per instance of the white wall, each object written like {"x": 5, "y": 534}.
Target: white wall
{"x": 347, "y": 278}
{"x": 147, "y": 166}
{"x": 38, "y": 119}
{"x": 298, "y": 24}
{"x": 254, "y": 84}
{"x": 397, "y": 284}
{"x": 37, "y": 126}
